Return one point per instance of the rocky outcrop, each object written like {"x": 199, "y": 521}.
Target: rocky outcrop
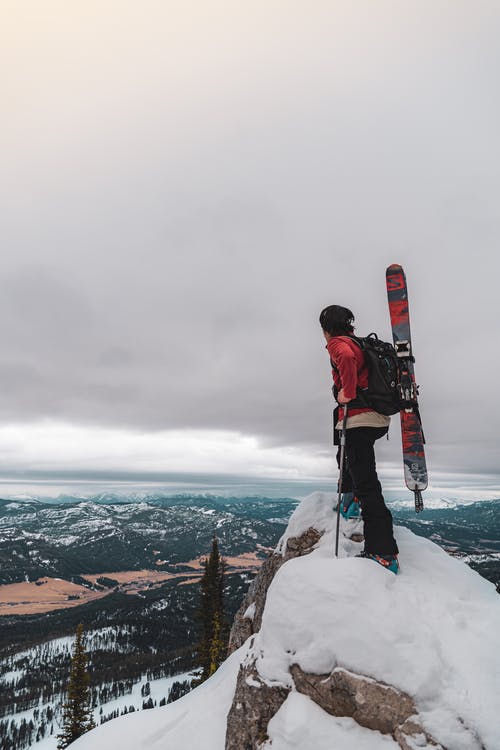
{"x": 254, "y": 705}
{"x": 371, "y": 704}
{"x": 248, "y": 619}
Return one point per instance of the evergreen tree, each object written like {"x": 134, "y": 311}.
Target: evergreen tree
{"x": 213, "y": 644}
{"x": 218, "y": 644}
{"x": 77, "y": 712}
{"x": 177, "y": 690}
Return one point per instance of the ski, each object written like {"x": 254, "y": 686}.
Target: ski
{"x": 415, "y": 468}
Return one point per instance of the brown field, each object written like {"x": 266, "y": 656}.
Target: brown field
{"x": 53, "y": 593}
{"x": 132, "y": 576}
{"x": 246, "y": 561}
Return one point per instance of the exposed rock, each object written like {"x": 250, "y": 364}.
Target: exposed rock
{"x": 411, "y": 735}
{"x": 371, "y": 704}
{"x": 357, "y": 537}
{"x": 248, "y": 619}
{"x": 297, "y": 546}
{"x": 254, "y": 705}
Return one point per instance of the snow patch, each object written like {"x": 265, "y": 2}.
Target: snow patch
{"x": 300, "y": 723}
{"x": 249, "y": 612}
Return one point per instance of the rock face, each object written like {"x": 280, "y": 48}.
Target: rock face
{"x": 248, "y": 619}
{"x": 254, "y": 705}
{"x": 371, "y": 704}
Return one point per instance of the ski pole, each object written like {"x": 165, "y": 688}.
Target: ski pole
{"x": 341, "y": 476}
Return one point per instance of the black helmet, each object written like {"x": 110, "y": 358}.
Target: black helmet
{"x": 336, "y": 320}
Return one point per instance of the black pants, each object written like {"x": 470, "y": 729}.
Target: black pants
{"x": 360, "y": 477}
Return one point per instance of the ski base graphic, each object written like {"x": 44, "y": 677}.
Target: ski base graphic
{"x": 415, "y": 469}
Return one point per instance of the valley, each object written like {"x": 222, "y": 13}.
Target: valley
{"x": 130, "y": 573}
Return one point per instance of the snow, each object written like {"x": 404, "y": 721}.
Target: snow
{"x": 431, "y": 631}
{"x": 12, "y": 675}
{"x": 314, "y": 511}
{"x": 300, "y": 723}
{"x": 55, "y": 645}
{"x": 197, "y": 720}
{"x": 158, "y": 689}
{"x": 250, "y": 612}
{"x": 48, "y": 743}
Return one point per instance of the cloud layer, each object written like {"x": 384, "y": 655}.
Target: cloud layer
{"x": 185, "y": 187}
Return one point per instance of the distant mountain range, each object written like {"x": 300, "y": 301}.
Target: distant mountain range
{"x": 471, "y": 532}
{"x": 67, "y": 540}
{"x": 100, "y": 535}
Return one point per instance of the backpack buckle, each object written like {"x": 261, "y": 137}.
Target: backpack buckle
{"x": 403, "y": 349}
{"x": 408, "y": 392}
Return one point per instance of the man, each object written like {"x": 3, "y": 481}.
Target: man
{"x": 364, "y": 427}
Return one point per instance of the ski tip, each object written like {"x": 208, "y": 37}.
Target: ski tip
{"x": 394, "y": 267}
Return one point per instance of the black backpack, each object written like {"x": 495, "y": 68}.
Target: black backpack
{"x": 382, "y": 394}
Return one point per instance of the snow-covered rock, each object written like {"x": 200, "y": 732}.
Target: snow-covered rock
{"x": 343, "y": 653}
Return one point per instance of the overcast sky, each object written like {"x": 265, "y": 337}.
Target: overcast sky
{"x": 185, "y": 185}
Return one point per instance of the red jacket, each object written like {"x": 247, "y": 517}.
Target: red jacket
{"x": 351, "y": 372}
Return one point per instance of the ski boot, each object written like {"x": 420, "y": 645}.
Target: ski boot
{"x": 389, "y": 562}
{"x": 349, "y": 506}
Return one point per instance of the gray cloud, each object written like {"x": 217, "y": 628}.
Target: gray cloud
{"x": 180, "y": 203}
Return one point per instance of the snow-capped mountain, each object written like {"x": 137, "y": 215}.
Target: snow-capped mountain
{"x": 101, "y": 534}
{"x": 40, "y": 539}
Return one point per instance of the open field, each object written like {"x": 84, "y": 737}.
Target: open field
{"x": 245, "y": 561}
{"x": 133, "y": 576}
{"x": 44, "y": 595}
{"x": 48, "y": 594}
